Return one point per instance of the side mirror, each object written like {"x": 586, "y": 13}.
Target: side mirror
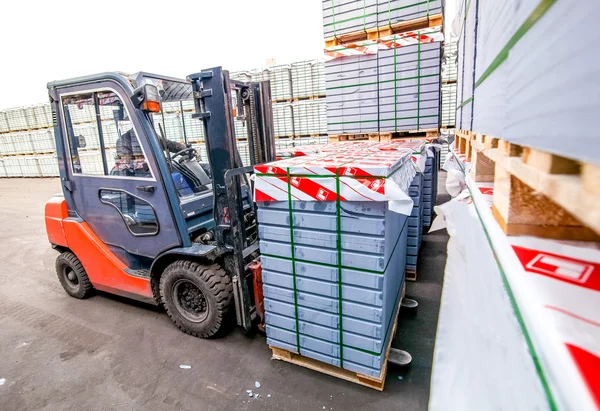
{"x": 81, "y": 142}
{"x": 146, "y": 98}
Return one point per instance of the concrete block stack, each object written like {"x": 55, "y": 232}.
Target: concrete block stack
{"x": 333, "y": 246}
{"x": 385, "y": 71}
{"x": 522, "y": 80}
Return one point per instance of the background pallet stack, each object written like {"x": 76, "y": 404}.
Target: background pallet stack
{"x": 449, "y": 86}
{"x": 524, "y": 251}
{"x": 385, "y": 75}
{"x": 27, "y": 145}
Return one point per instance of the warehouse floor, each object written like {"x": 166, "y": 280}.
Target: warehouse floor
{"x": 110, "y": 353}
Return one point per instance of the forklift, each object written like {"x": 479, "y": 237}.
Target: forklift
{"x": 143, "y": 217}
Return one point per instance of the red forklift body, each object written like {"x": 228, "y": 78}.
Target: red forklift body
{"x": 104, "y": 269}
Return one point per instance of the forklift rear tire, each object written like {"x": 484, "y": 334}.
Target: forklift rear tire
{"x": 72, "y": 276}
{"x": 197, "y": 297}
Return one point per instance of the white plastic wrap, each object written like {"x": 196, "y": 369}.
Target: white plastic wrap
{"x": 481, "y": 359}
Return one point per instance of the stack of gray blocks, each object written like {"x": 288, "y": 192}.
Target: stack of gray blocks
{"x": 394, "y": 90}
{"x": 349, "y": 16}
{"x": 302, "y": 295}
{"x": 430, "y": 187}
{"x": 415, "y": 222}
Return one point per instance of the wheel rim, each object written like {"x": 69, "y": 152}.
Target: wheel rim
{"x": 71, "y": 278}
{"x": 190, "y": 301}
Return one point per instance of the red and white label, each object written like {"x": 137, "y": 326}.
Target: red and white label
{"x": 582, "y": 273}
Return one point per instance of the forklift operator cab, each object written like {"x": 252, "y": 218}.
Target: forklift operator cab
{"x": 139, "y": 215}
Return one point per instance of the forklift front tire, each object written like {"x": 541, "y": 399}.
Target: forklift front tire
{"x": 72, "y": 276}
{"x": 197, "y": 297}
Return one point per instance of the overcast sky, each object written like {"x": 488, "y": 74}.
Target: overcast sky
{"x": 52, "y": 40}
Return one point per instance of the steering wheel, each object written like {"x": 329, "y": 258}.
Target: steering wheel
{"x": 182, "y": 152}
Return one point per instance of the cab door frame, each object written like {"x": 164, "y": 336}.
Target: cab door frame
{"x": 170, "y": 212}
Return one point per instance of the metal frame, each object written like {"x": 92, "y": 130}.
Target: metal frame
{"x": 213, "y": 102}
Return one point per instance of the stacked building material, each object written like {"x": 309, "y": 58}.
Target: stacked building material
{"x": 429, "y": 187}
{"x": 525, "y": 84}
{"x": 382, "y": 78}
{"x": 396, "y": 89}
{"x": 342, "y": 17}
{"x": 422, "y": 190}
{"x": 333, "y": 226}
{"x": 415, "y": 224}
{"x": 299, "y": 114}
{"x": 298, "y": 95}
{"x": 449, "y": 84}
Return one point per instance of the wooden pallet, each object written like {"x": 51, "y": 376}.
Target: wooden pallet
{"x": 380, "y": 32}
{"x": 376, "y": 383}
{"x": 411, "y": 275}
{"x": 387, "y": 135}
{"x": 296, "y": 99}
{"x": 416, "y": 134}
{"x": 535, "y": 192}
{"x": 347, "y": 137}
{"x": 291, "y": 137}
{"x": 23, "y": 130}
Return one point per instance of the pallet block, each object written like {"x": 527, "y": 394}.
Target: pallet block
{"x": 522, "y": 210}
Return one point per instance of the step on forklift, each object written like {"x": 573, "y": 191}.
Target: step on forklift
{"x": 142, "y": 215}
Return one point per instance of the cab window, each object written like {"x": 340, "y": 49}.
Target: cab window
{"x": 102, "y": 139}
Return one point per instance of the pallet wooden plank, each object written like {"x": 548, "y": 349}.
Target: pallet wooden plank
{"x": 549, "y": 163}
{"x": 379, "y": 32}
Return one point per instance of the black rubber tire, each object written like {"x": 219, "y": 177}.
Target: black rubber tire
{"x": 215, "y": 285}
{"x": 67, "y": 263}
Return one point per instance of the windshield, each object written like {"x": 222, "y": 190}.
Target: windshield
{"x": 175, "y": 122}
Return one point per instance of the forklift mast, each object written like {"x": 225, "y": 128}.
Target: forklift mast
{"x": 236, "y": 231}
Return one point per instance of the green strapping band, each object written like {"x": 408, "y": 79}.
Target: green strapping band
{"x": 396, "y": 86}
{"x": 333, "y": 16}
{"x": 419, "y": 78}
{"x": 339, "y": 262}
{"x": 464, "y": 103}
{"x": 293, "y": 259}
{"x": 365, "y": 16}
{"x": 513, "y": 302}
{"x": 531, "y": 20}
